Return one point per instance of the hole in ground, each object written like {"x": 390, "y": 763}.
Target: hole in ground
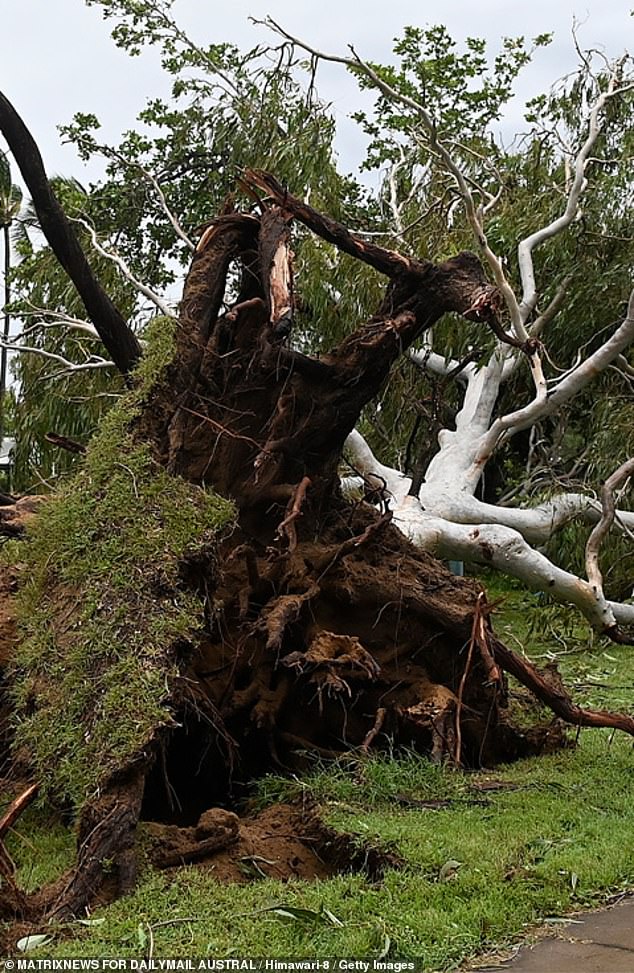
{"x": 196, "y": 768}
{"x": 285, "y": 841}
{"x": 189, "y": 808}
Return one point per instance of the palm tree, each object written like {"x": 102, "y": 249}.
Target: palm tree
{"x": 10, "y": 202}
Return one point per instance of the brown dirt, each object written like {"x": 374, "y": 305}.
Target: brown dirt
{"x": 14, "y": 517}
{"x": 283, "y": 842}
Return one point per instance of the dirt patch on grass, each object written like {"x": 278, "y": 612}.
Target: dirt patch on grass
{"x": 15, "y": 517}
{"x": 283, "y": 842}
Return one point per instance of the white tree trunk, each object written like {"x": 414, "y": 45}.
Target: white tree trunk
{"x": 449, "y": 521}
{"x": 505, "y": 549}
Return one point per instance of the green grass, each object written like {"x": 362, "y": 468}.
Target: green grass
{"x": 561, "y": 838}
{"x": 42, "y": 847}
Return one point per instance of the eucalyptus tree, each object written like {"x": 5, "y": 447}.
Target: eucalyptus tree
{"x": 570, "y": 179}
{"x": 189, "y": 634}
{"x": 10, "y": 203}
{"x": 448, "y": 183}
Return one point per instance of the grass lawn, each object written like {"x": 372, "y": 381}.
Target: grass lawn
{"x": 513, "y": 847}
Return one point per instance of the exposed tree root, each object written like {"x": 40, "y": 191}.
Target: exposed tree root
{"x": 553, "y": 694}
{"x": 106, "y": 842}
{"x": 339, "y": 645}
{"x": 326, "y": 631}
{"x": 15, "y": 809}
{"x": 15, "y": 901}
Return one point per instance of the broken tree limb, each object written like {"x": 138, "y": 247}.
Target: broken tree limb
{"x": 114, "y": 331}
{"x": 276, "y": 267}
{"x": 600, "y": 532}
{"x": 387, "y": 262}
{"x": 71, "y": 445}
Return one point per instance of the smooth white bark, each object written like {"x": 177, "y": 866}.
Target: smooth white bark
{"x": 456, "y": 526}
{"x": 576, "y": 188}
{"x": 119, "y": 262}
{"x": 536, "y": 524}
{"x": 505, "y": 549}
{"x": 608, "y": 513}
{"x": 92, "y": 363}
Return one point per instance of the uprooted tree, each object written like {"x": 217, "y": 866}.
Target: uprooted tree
{"x": 172, "y": 644}
{"x": 484, "y": 453}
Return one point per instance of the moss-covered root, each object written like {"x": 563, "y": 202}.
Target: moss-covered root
{"x": 107, "y": 621}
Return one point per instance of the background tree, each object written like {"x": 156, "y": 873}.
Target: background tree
{"x": 10, "y": 203}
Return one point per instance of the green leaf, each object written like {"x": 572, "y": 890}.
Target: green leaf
{"x": 297, "y": 914}
{"x": 332, "y": 919}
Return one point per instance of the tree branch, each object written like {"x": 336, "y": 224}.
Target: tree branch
{"x": 387, "y": 262}
{"x": 111, "y": 153}
{"x": 546, "y": 403}
{"x": 429, "y": 360}
{"x": 505, "y": 549}
{"x": 551, "y": 310}
{"x": 125, "y": 270}
{"x": 94, "y": 362}
{"x": 577, "y": 188}
{"x": 114, "y": 331}
{"x": 554, "y": 695}
{"x": 600, "y": 532}
{"x": 374, "y": 472}
{"x": 535, "y": 524}
{"x": 60, "y": 319}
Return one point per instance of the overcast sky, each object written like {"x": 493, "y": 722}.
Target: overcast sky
{"x": 57, "y": 56}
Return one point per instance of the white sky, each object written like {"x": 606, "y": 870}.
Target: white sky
{"x": 57, "y": 56}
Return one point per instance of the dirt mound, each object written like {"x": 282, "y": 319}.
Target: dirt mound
{"x": 284, "y": 842}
